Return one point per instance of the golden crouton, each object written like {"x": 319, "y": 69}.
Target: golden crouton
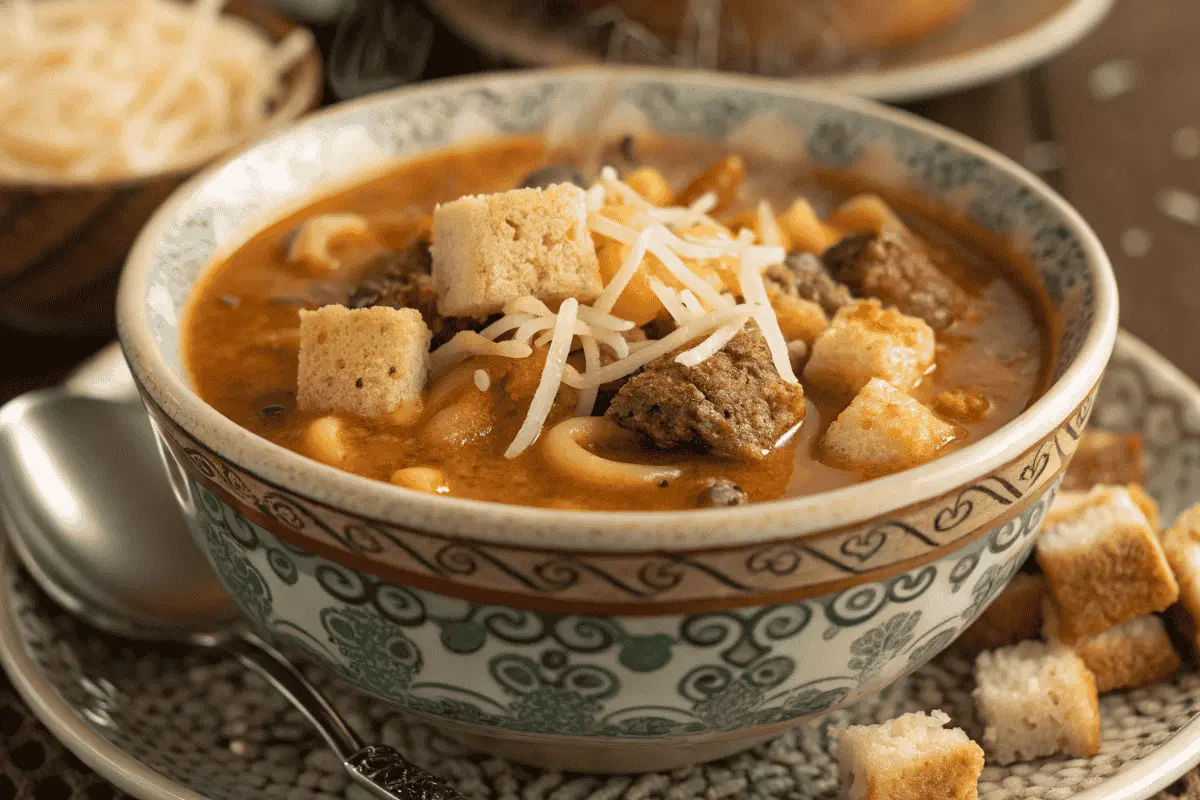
{"x": 1103, "y": 562}
{"x": 867, "y": 341}
{"x": 1036, "y": 699}
{"x": 1014, "y": 616}
{"x": 490, "y": 249}
{"x": 1131, "y": 654}
{"x": 367, "y": 361}
{"x": 1107, "y": 458}
{"x": 884, "y": 430}
{"x": 905, "y": 758}
{"x": 1181, "y": 542}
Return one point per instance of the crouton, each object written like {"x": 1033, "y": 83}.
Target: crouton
{"x": 884, "y": 430}
{"x": 1104, "y": 564}
{"x": 367, "y": 361}
{"x": 912, "y": 757}
{"x": 1036, "y": 699}
{"x": 1132, "y": 654}
{"x": 489, "y": 249}
{"x": 1014, "y": 616}
{"x": 1181, "y": 543}
{"x": 1147, "y": 504}
{"x": 866, "y": 341}
{"x": 1103, "y": 457}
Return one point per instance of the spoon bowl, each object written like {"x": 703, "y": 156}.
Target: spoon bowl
{"x": 89, "y": 510}
{"x": 88, "y": 506}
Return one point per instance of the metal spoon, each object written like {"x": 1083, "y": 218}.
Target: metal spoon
{"x": 87, "y": 507}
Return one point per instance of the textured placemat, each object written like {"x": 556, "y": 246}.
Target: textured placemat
{"x": 207, "y": 724}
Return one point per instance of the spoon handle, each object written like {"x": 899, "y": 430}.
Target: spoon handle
{"x": 377, "y": 768}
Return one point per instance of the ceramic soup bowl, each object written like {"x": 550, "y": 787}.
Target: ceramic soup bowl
{"x": 614, "y": 641}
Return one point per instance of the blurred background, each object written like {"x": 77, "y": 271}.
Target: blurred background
{"x": 1101, "y": 98}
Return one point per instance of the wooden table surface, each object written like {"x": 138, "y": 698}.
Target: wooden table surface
{"x": 1114, "y": 125}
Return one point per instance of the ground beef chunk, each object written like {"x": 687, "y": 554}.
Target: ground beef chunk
{"x": 721, "y": 493}
{"x": 734, "y": 404}
{"x": 803, "y": 275}
{"x": 555, "y": 173}
{"x": 401, "y": 279}
{"x": 894, "y": 268}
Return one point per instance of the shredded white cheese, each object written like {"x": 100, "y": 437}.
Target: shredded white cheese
{"x": 543, "y": 397}
{"x": 755, "y": 292}
{"x": 670, "y": 301}
{"x": 768, "y": 227}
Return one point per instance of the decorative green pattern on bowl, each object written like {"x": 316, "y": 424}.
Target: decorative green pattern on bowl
{"x": 624, "y": 677}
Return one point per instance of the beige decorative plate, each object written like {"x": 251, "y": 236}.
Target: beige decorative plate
{"x": 994, "y": 39}
{"x": 174, "y": 723}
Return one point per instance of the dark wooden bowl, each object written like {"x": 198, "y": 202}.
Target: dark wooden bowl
{"x": 62, "y": 244}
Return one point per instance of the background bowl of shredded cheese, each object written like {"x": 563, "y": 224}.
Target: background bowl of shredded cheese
{"x": 107, "y": 106}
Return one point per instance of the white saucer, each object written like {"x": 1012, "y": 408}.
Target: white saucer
{"x": 185, "y": 725}
{"x": 994, "y": 39}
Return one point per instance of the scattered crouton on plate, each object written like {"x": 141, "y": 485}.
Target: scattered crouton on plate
{"x": 1131, "y": 654}
{"x": 1036, "y": 699}
{"x": 1105, "y": 458}
{"x": 1181, "y": 542}
{"x": 1103, "y": 562}
{"x": 912, "y": 757}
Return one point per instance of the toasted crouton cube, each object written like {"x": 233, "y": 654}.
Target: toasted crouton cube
{"x": 367, "y": 361}
{"x": 1014, "y": 616}
{"x": 1181, "y": 542}
{"x": 1103, "y": 562}
{"x": 912, "y": 757}
{"x": 489, "y": 249}
{"x": 884, "y": 430}
{"x": 1105, "y": 458}
{"x": 1036, "y": 699}
{"x": 867, "y": 341}
{"x": 1132, "y": 654}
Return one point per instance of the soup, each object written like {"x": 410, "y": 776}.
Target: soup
{"x": 690, "y": 328}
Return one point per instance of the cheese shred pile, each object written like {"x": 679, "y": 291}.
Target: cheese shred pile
{"x": 705, "y": 317}
{"x": 101, "y": 89}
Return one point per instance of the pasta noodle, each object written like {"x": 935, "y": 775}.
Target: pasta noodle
{"x": 564, "y": 449}
{"x": 116, "y": 88}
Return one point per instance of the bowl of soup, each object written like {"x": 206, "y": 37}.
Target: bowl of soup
{"x": 614, "y": 422}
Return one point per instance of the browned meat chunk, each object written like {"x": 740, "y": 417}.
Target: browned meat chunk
{"x": 401, "y": 279}
{"x": 733, "y": 404}
{"x": 721, "y": 493}
{"x": 804, "y": 276}
{"x": 894, "y": 268}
